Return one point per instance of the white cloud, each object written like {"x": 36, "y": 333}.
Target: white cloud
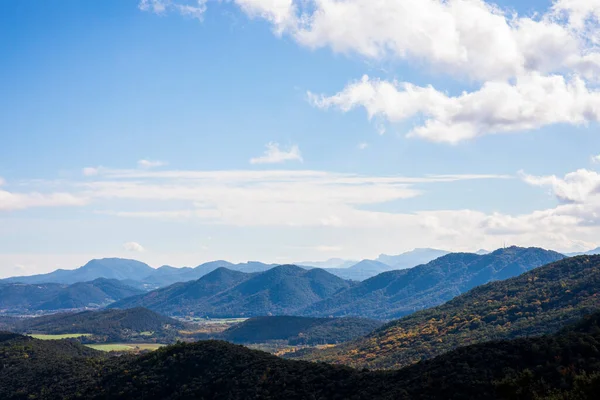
{"x": 274, "y": 155}
{"x": 281, "y": 13}
{"x": 147, "y": 164}
{"x": 134, "y": 247}
{"x": 576, "y": 187}
{"x": 595, "y": 159}
{"x": 362, "y": 146}
{"x": 531, "y": 102}
{"x": 2, "y": 181}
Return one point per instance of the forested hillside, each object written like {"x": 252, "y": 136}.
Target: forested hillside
{"x": 299, "y": 330}
{"x": 561, "y": 366}
{"x": 17, "y": 297}
{"x": 187, "y": 297}
{"x": 538, "y": 302}
{"x": 225, "y": 293}
{"x": 115, "y": 325}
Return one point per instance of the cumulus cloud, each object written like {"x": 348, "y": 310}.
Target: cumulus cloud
{"x": 147, "y": 164}
{"x": 362, "y": 146}
{"x": 275, "y": 155}
{"x": 134, "y": 247}
{"x": 531, "y": 102}
{"x": 533, "y": 70}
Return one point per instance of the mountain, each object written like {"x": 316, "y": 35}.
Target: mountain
{"x": 17, "y": 297}
{"x": 411, "y": 258}
{"x": 361, "y": 270}
{"x": 104, "y": 322}
{"x": 281, "y": 290}
{"x": 167, "y": 276}
{"x": 538, "y": 302}
{"x": 560, "y": 366}
{"x": 185, "y": 297}
{"x": 109, "y": 268}
{"x": 397, "y": 293}
{"x": 299, "y": 330}
{"x": 585, "y": 253}
{"x": 226, "y": 293}
{"x": 331, "y": 263}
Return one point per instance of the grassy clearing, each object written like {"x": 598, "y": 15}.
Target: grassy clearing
{"x": 125, "y": 346}
{"x": 59, "y": 337}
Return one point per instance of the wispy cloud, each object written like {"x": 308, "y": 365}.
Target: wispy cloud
{"x": 275, "y": 155}
{"x": 194, "y": 9}
{"x": 147, "y": 164}
{"x": 362, "y": 146}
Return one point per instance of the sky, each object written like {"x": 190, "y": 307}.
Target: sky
{"x": 178, "y": 132}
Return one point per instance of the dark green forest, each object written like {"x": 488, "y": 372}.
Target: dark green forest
{"x": 564, "y": 366}
{"x": 299, "y": 330}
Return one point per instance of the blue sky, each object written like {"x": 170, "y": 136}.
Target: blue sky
{"x": 128, "y": 129}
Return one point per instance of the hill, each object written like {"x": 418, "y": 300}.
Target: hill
{"x": 299, "y": 330}
{"x": 538, "y": 302}
{"x": 187, "y": 297}
{"x": 411, "y": 258}
{"x": 17, "y": 297}
{"x": 361, "y": 270}
{"x": 225, "y": 293}
{"x": 109, "y": 268}
{"x": 397, "y": 293}
{"x": 116, "y": 325}
{"x": 561, "y": 366}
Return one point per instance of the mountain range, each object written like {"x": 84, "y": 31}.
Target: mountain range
{"x": 396, "y": 293}
{"x": 292, "y": 290}
{"x": 18, "y": 297}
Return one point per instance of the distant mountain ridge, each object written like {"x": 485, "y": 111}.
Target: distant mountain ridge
{"x": 411, "y": 258}
{"x": 135, "y": 273}
{"x": 397, "y": 293}
{"x": 109, "y": 268}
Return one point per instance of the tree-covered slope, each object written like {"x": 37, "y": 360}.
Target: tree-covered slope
{"x": 226, "y": 293}
{"x": 563, "y": 366}
{"x": 279, "y": 291}
{"x": 184, "y": 298}
{"x": 537, "y": 302}
{"x": 299, "y": 330}
{"x": 16, "y": 297}
{"x": 105, "y": 322}
{"x": 397, "y": 293}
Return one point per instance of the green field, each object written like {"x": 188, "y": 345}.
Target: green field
{"x": 58, "y": 337}
{"x": 125, "y": 346}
